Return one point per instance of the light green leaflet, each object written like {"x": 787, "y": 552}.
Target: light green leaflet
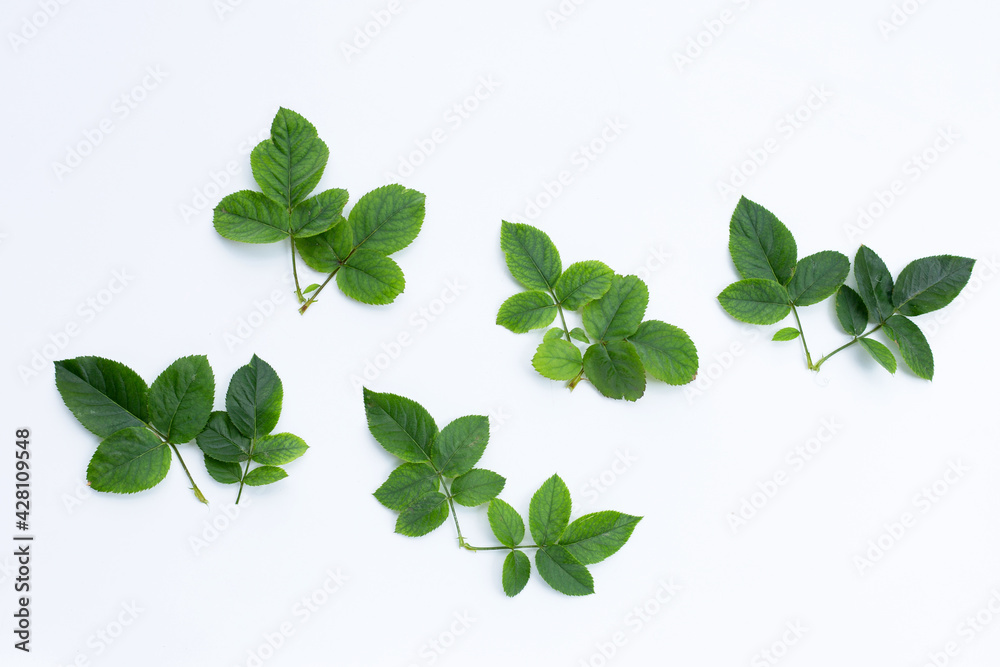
{"x": 140, "y": 426}
{"x": 774, "y": 284}
{"x": 355, "y": 249}
{"x": 620, "y": 347}
{"x": 439, "y": 473}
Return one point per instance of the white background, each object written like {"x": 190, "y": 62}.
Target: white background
{"x": 697, "y": 452}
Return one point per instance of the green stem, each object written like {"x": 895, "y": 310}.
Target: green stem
{"x": 302, "y": 309}
{"x": 461, "y": 540}
{"x": 802, "y": 334}
{"x": 295, "y": 273}
{"x": 847, "y": 345}
{"x": 246, "y": 471}
{"x": 194, "y": 487}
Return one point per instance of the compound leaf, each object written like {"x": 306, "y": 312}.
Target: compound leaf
{"x": 387, "y": 219}
{"x": 531, "y": 256}
{"x": 325, "y": 252}
{"x": 760, "y": 245}
{"x": 180, "y": 399}
{"x": 128, "y": 461}
{"x": 104, "y": 395}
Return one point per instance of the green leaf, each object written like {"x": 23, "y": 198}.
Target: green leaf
{"x": 616, "y": 369}
{"x": 526, "y": 311}
{"x": 558, "y": 360}
{"x": 104, "y": 395}
{"x": 531, "y": 256}
{"x": 594, "y": 537}
{"x": 460, "y": 445}
{"x": 402, "y": 426}
{"x": 370, "y": 277}
{"x": 788, "y": 333}
{"x": 930, "y": 283}
{"x": 476, "y": 487}
{"x": 311, "y": 288}
{"x": 579, "y": 334}
{"x": 318, "y": 214}
{"x": 818, "y": 277}
{"x": 548, "y": 513}
{"x": 130, "y": 460}
{"x": 250, "y": 217}
{"x": 516, "y": 571}
{"x": 264, "y": 475}
{"x": 407, "y": 484}
{"x": 761, "y": 246}
{"x": 851, "y": 311}
{"x": 423, "y": 516}
{"x": 553, "y": 334}
{"x": 619, "y": 312}
{"x": 278, "y": 449}
{"x": 874, "y": 284}
{"x": 254, "y": 398}
{"x": 880, "y": 353}
{"x": 387, "y": 219}
{"x": 583, "y": 282}
{"x": 289, "y": 164}
{"x": 912, "y": 345}
{"x": 560, "y": 570}
{"x": 756, "y": 301}
{"x": 666, "y": 351}
{"x": 507, "y": 525}
{"x": 221, "y": 440}
{"x": 224, "y": 472}
{"x": 325, "y": 252}
{"x": 180, "y": 399}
